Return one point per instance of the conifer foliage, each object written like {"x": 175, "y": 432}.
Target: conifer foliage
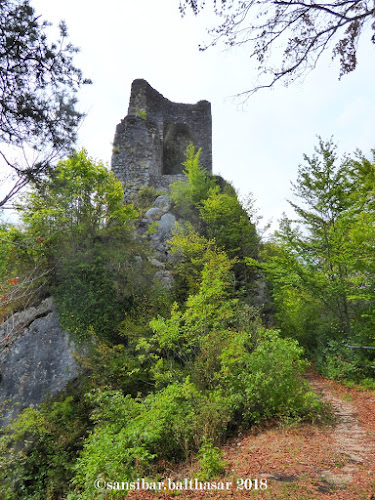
{"x": 38, "y": 83}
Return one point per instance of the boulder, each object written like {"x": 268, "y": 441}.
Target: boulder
{"x": 164, "y": 203}
{"x": 153, "y": 214}
{"x": 165, "y": 277}
{"x": 166, "y": 226}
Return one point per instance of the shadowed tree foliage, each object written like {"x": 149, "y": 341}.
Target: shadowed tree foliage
{"x": 297, "y": 32}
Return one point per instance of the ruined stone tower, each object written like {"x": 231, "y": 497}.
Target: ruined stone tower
{"x": 150, "y": 142}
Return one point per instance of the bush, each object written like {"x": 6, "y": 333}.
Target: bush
{"x": 266, "y": 380}
{"x": 252, "y": 380}
{"x": 131, "y": 434}
{"x": 187, "y": 195}
{"x": 210, "y": 461}
{"x": 274, "y": 386}
{"x": 38, "y": 450}
{"x": 334, "y": 360}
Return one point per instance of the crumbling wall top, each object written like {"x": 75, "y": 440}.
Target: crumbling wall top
{"x": 150, "y": 142}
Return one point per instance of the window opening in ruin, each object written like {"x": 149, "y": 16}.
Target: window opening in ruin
{"x": 177, "y": 137}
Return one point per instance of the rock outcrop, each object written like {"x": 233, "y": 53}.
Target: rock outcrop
{"x": 36, "y": 359}
{"x": 158, "y": 225}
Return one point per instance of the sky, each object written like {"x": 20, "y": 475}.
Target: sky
{"x": 257, "y": 146}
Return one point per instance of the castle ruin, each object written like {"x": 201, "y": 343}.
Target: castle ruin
{"x": 150, "y": 142}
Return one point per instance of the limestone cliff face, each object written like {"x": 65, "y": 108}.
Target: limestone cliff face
{"x": 35, "y": 358}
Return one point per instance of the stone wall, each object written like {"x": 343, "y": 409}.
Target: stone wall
{"x": 150, "y": 142}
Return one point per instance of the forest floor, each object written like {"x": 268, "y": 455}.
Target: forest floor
{"x": 299, "y": 462}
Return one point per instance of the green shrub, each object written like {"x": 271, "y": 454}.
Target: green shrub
{"x": 187, "y": 195}
{"x": 38, "y": 449}
{"x": 85, "y": 291}
{"x": 131, "y": 434}
{"x": 368, "y": 383}
{"x": 218, "y": 217}
{"x": 145, "y": 197}
{"x": 210, "y": 461}
{"x": 213, "y": 413}
{"x": 265, "y": 380}
{"x": 336, "y": 361}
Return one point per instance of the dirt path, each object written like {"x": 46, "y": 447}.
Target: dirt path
{"x": 350, "y": 438}
{"x": 302, "y": 462}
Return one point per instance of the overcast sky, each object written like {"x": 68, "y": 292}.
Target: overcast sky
{"x": 258, "y": 146}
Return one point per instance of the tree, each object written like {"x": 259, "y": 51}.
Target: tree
{"x": 297, "y": 31}
{"x": 216, "y": 215}
{"x": 84, "y": 229}
{"x": 323, "y": 185}
{"x": 322, "y": 274}
{"x": 38, "y": 82}
{"x": 78, "y": 199}
{"x": 228, "y": 223}
{"x": 188, "y": 195}
{"x": 361, "y": 244}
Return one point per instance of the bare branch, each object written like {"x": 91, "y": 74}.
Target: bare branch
{"x": 303, "y": 30}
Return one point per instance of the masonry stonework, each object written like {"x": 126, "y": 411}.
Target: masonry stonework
{"x": 150, "y": 142}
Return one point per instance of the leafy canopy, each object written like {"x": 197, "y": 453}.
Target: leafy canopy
{"x": 81, "y": 196}
{"x": 218, "y": 215}
{"x": 82, "y": 226}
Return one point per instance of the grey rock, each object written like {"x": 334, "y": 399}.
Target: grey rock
{"x": 153, "y": 214}
{"x": 37, "y": 363}
{"x": 156, "y": 262}
{"x": 165, "y": 277}
{"x": 164, "y": 203}
{"x": 13, "y": 326}
{"x": 165, "y": 228}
